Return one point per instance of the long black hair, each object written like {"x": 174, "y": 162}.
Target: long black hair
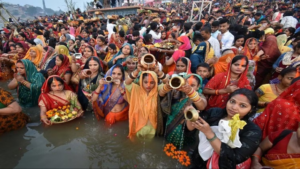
{"x": 50, "y": 80}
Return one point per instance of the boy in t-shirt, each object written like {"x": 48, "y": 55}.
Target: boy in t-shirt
{"x": 203, "y": 70}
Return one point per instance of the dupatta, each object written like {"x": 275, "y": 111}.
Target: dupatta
{"x": 29, "y": 97}
{"x": 221, "y": 81}
{"x": 51, "y": 101}
{"x": 188, "y": 69}
{"x": 281, "y": 113}
{"x": 63, "y": 68}
{"x": 186, "y": 43}
{"x": 143, "y": 107}
{"x": 107, "y": 98}
{"x": 251, "y": 54}
{"x": 38, "y": 57}
{"x": 61, "y": 49}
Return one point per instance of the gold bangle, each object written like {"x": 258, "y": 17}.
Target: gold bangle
{"x": 192, "y": 98}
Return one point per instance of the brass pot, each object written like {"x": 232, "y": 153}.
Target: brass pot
{"x": 135, "y": 59}
{"x": 109, "y": 79}
{"x": 89, "y": 72}
{"x": 191, "y": 115}
{"x": 176, "y": 82}
{"x": 148, "y": 61}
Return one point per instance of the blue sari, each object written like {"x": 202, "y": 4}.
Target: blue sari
{"x": 120, "y": 61}
{"x": 29, "y": 97}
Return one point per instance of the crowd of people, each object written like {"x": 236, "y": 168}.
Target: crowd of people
{"x": 238, "y": 59}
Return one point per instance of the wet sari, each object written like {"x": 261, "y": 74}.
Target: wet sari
{"x": 51, "y": 101}
{"x": 282, "y": 113}
{"x": 143, "y": 108}
{"x": 120, "y": 61}
{"x": 88, "y": 85}
{"x": 221, "y": 81}
{"x": 174, "y": 106}
{"x": 50, "y": 54}
{"x": 108, "y": 99}
{"x": 12, "y": 121}
{"x": 29, "y": 97}
{"x": 38, "y": 57}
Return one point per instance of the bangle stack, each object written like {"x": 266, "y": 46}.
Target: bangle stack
{"x": 212, "y": 139}
{"x": 131, "y": 76}
{"x": 194, "y": 96}
{"x": 24, "y": 82}
{"x": 163, "y": 76}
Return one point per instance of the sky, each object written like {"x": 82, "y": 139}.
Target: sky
{"x": 53, "y": 4}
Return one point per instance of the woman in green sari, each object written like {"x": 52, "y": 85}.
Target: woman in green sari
{"x": 28, "y": 82}
{"x": 175, "y": 102}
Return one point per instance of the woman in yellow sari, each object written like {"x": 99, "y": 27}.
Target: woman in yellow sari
{"x": 34, "y": 54}
{"x": 61, "y": 49}
{"x": 143, "y": 101}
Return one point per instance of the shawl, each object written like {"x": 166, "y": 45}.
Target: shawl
{"x": 143, "y": 107}
{"x": 270, "y": 48}
{"x": 29, "y": 97}
{"x": 119, "y": 61}
{"x": 50, "y": 54}
{"x": 188, "y": 70}
{"x": 63, "y": 68}
{"x": 287, "y": 58}
{"x": 38, "y": 57}
{"x": 221, "y": 81}
{"x": 186, "y": 43}
{"x": 281, "y": 113}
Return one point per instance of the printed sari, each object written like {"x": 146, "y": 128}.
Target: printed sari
{"x": 51, "y": 101}
{"x": 173, "y": 106}
{"x": 12, "y": 121}
{"x": 221, "y": 81}
{"x": 282, "y": 113}
{"x": 29, "y": 97}
{"x": 88, "y": 85}
{"x": 38, "y": 57}
{"x": 108, "y": 99}
{"x": 142, "y": 113}
{"x": 120, "y": 61}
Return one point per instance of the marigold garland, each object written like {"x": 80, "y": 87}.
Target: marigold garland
{"x": 180, "y": 155}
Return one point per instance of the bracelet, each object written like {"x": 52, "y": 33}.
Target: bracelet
{"x": 212, "y": 139}
{"x": 94, "y": 92}
{"x": 217, "y": 92}
{"x": 166, "y": 88}
{"x": 195, "y": 97}
{"x": 257, "y": 156}
{"x": 163, "y": 76}
{"x": 191, "y": 92}
{"x": 131, "y": 76}
{"x": 198, "y": 100}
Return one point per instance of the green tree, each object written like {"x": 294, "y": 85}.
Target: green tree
{"x": 31, "y": 10}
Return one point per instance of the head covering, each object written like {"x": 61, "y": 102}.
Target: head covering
{"x": 65, "y": 66}
{"x": 186, "y": 76}
{"x": 269, "y": 31}
{"x": 188, "y": 67}
{"x": 248, "y": 52}
{"x": 47, "y": 57}
{"x": 31, "y": 41}
{"x": 29, "y": 98}
{"x": 62, "y": 49}
{"x": 38, "y": 57}
{"x": 186, "y": 43}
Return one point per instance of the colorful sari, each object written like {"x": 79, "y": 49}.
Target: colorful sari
{"x": 51, "y": 101}
{"x": 29, "y": 97}
{"x": 108, "y": 99}
{"x": 38, "y": 57}
{"x": 63, "y": 69}
{"x": 282, "y": 113}
{"x": 88, "y": 85}
{"x": 120, "y": 61}
{"x": 176, "y": 56}
{"x": 221, "y": 81}
{"x": 264, "y": 67}
{"x": 186, "y": 45}
{"x": 174, "y": 109}
{"x": 21, "y": 55}
{"x": 281, "y": 41}
{"x": 188, "y": 69}
{"x": 12, "y": 121}
{"x": 143, "y": 108}
{"x": 222, "y": 64}
{"x": 116, "y": 41}
{"x": 50, "y": 54}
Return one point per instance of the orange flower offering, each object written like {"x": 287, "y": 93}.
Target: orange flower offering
{"x": 61, "y": 114}
{"x": 180, "y": 155}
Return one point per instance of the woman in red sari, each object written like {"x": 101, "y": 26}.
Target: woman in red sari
{"x": 62, "y": 68}
{"x": 56, "y": 93}
{"x": 282, "y": 113}
{"x": 221, "y": 85}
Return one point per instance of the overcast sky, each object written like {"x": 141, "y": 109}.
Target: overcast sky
{"x": 53, "y": 4}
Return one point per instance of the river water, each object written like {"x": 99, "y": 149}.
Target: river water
{"x": 81, "y": 143}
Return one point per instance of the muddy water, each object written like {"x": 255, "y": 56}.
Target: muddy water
{"x": 81, "y": 143}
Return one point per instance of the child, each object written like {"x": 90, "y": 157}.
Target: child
{"x": 203, "y": 70}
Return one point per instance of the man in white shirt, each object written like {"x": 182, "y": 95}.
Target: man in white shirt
{"x": 111, "y": 23}
{"x": 277, "y": 16}
{"x": 206, "y": 34}
{"x": 289, "y": 20}
{"x": 225, "y": 38}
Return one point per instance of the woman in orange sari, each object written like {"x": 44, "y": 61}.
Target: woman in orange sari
{"x": 221, "y": 65}
{"x": 171, "y": 62}
{"x": 221, "y": 85}
{"x": 109, "y": 97}
{"x": 183, "y": 65}
{"x": 56, "y": 93}
{"x": 34, "y": 54}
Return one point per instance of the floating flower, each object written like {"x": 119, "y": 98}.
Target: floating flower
{"x": 180, "y": 155}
